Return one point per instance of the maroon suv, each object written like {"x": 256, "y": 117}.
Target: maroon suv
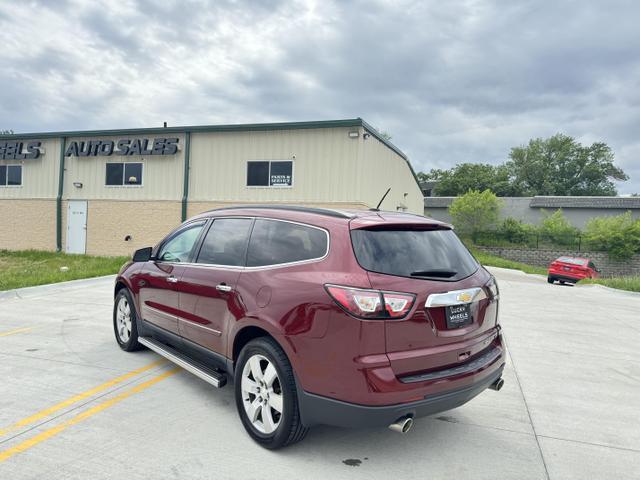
{"x": 348, "y": 318}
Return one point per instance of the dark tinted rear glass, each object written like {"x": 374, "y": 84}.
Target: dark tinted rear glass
{"x": 273, "y": 242}
{"x": 403, "y": 252}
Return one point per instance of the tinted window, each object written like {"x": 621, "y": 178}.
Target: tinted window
{"x": 281, "y": 174}
{"x": 257, "y": 174}
{"x": 132, "y": 173}
{"x": 178, "y": 247}
{"x": 123, "y": 174}
{"x": 273, "y": 242}
{"x": 403, "y": 252}
{"x": 115, "y": 171}
{"x": 14, "y": 175}
{"x": 226, "y": 242}
{"x": 3, "y": 175}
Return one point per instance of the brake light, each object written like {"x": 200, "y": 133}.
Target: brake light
{"x": 371, "y": 304}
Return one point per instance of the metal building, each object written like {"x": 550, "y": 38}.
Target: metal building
{"x": 109, "y": 192}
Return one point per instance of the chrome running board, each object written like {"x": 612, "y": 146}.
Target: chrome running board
{"x": 215, "y": 378}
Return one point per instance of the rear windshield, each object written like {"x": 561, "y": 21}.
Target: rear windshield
{"x": 571, "y": 260}
{"x": 431, "y": 254}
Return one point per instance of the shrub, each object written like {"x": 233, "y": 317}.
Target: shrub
{"x": 475, "y": 211}
{"x": 619, "y": 235}
{"x": 515, "y": 231}
{"x": 555, "y": 228}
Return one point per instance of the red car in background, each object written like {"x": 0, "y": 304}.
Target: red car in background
{"x": 571, "y": 269}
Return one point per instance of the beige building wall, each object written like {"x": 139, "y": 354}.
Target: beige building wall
{"x": 27, "y": 224}
{"x": 162, "y": 175}
{"x": 382, "y": 168}
{"x": 194, "y": 208}
{"x": 39, "y": 175}
{"x": 109, "y": 222}
{"x": 324, "y": 165}
{"x": 330, "y": 169}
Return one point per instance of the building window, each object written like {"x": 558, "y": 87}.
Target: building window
{"x": 122, "y": 174}
{"x": 10, "y": 175}
{"x": 270, "y": 174}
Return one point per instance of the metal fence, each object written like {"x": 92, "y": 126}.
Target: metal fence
{"x": 574, "y": 242}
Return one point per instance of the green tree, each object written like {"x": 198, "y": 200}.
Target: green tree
{"x": 473, "y": 176}
{"x": 618, "y": 235}
{"x": 559, "y": 165}
{"x": 475, "y": 211}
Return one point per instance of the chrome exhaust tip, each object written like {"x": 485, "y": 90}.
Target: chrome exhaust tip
{"x": 403, "y": 425}
{"x": 497, "y": 385}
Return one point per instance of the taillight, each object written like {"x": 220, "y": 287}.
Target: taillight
{"x": 371, "y": 304}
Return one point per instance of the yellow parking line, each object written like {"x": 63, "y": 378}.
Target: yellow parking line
{"x": 12, "y": 332}
{"x": 41, "y": 437}
{"x": 81, "y": 396}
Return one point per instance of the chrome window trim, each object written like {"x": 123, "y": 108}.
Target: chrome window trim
{"x": 262, "y": 267}
{"x": 273, "y": 265}
{"x": 448, "y": 299}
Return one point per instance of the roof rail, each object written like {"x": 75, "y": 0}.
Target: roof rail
{"x": 291, "y": 208}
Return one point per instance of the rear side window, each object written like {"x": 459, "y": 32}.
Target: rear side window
{"x": 274, "y": 242}
{"x": 431, "y": 254}
{"x": 226, "y": 242}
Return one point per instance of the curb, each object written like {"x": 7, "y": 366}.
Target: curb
{"x": 610, "y": 289}
{"x": 29, "y": 292}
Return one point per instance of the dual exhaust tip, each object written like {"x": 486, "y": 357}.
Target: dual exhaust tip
{"x": 404, "y": 424}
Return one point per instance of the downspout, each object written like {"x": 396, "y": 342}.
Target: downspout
{"x": 185, "y": 188}
{"x": 63, "y": 141}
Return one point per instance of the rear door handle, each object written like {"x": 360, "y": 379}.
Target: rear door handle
{"x": 172, "y": 279}
{"x": 222, "y": 287}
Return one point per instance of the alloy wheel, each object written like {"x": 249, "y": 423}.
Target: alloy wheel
{"x": 123, "y": 319}
{"x": 262, "y": 394}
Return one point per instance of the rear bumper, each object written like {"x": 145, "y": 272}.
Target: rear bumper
{"x": 564, "y": 278}
{"x": 316, "y": 409}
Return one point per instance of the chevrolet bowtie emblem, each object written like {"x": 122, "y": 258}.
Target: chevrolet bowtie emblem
{"x": 464, "y": 297}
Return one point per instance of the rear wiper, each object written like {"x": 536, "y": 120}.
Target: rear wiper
{"x": 440, "y": 273}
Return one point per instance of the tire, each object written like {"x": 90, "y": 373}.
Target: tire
{"x": 125, "y": 321}
{"x": 262, "y": 393}
{"x": 550, "y": 279}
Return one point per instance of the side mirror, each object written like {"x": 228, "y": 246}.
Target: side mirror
{"x": 142, "y": 255}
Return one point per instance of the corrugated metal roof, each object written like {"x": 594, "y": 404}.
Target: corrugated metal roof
{"x": 585, "y": 202}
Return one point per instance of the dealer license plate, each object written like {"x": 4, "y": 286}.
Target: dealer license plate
{"x": 458, "y": 315}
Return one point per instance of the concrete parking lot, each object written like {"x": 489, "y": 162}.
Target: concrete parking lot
{"x": 73, "y": 405}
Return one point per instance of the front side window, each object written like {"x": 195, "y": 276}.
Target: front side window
{"x": 10, "y": 175}
{"x": 178, "y": 247}
{"x": 274, "y": 242}
{"x": 120, "y": 174}
{"x": 277, "y": 173}
{"x": 226, "y": 242}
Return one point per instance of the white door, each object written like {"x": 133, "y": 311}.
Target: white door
{"x": 77, "y": 226}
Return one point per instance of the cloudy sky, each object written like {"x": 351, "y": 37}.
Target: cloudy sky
{"x": 452, "y": 81}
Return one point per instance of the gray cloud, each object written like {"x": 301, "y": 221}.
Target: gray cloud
{"x": 452, "y": 81}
